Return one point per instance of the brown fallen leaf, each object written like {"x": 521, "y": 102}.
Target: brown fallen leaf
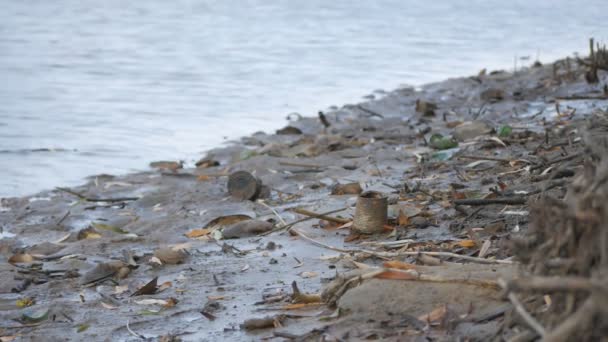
{"x": 436, "y": 315}
{"x": 164, "y": 286}
{"x": 171, "y": 302}
{"x": 306, "y": 274}
{"x": 298, "y": 297}
{"x": 203, "y": 178}
{"x": 198, "y": 232}
{"x": 466, "y": 243}
{"x": 352, "y": 237}
{"x": 263, "y": 323}
{"x": 347, "y": 189}
{"x": 149, "y": 288}
{"x": 400, "y": 265}
{"x": 21, "y": 258}
{"x": 403, "y": 220}
{"x": 109, "y": 306}
{"x": 102, "y": 271}
{"x": 170, "y": 256}
{"x": 88, "y": 233}
{"x": 328, "y": 224}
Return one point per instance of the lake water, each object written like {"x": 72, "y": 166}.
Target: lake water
{"x": 112, "y": 85}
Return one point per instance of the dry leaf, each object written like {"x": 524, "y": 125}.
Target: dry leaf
{"x": 8, "y": 338}
{"x": 171, "y": 302}
{"x": 149, "y": 288}
{"x": 346, "y": 225}
{"x": 155, "y": 260}
{"x": 466, "y": 243}
{"x": 203, "y": 178}
{"x": 403, "y": 219}
{"x": 164, "y": 286}
{"x": 328, "y": 224}
{"x": 121, "y": 289}
{"x": 216, "y": 297}
{"x": 495, "y": 139}
{"x": 436, "y": 315}
{"x": 109, "y": 306}
{"x": 88, "y": 233}
{"x": 308, "y": 274}
{"x": 151, "y": 301}
{"x": 352, "y": 237}
{"x": 21, "y": 258}
{"x": 25, "y": 302}
{"x": 485, "y": 248}
{"x": 181, "y": 246}
{"x": 198, "y": 232}
{"x": 400, "y": 265}
{"x": 170, "y": 256}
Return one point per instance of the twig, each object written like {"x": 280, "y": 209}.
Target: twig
{"x": 320, "y": 244}
{"x": 503, "y": 160}
{"x": 91, "y": 199}
{"x": 525, "y": 315}
{"x": 554, "y": 161}
{"x": 274, "y": 211}
{"x": 370, "y": 112}
{"x": 487, "y": 201}
{"x": 299, "y": 221}
{"x": 312, "y": 166}
{"x": 63, "y": 218}
{"x": 579, "y": 320}
{"x": 320, "y": 216}
{"x": 134, "y": 333}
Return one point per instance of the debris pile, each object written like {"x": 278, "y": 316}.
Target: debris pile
{"x": 565, "y": 252}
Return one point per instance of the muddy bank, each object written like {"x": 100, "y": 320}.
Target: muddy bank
{"x": 169, "y": 254}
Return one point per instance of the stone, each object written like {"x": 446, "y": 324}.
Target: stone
{"x": 246, "y": 228}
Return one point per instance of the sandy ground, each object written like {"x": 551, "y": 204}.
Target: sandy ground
{"x": 513, "y": 131}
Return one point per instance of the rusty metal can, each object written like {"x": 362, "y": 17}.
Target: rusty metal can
{"x": 370, "y": 213}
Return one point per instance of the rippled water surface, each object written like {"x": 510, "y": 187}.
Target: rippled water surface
{"x": 111, "y": 85}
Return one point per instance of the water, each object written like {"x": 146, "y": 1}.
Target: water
{"x": 112, "y": 85}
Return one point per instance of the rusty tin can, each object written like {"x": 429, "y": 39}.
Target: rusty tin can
{"x": 370, "y": 213}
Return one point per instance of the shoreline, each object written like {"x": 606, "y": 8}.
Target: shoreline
{"x": 191, "y": 157}
{"x": 502, "y": 134}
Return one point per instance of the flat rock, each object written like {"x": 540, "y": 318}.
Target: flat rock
{"x": 246, "y": 228}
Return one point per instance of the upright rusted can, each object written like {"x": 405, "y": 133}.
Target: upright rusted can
{"x": 370, "y": 213}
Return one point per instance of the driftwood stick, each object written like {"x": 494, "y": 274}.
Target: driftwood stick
{"x": 289, "y": 225}
{"x": 288, "y": 163}
{"x": 486, "y": 201}
{"x": 370, "y": 112}
{"x": 503, "y": 160}
{"x": 523, "y": 313}
{"x": 92, "y": 199}
{"x": 320, "y": 216}
{"x": 554, "y": 161}
{"x": 580, "y": 319}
